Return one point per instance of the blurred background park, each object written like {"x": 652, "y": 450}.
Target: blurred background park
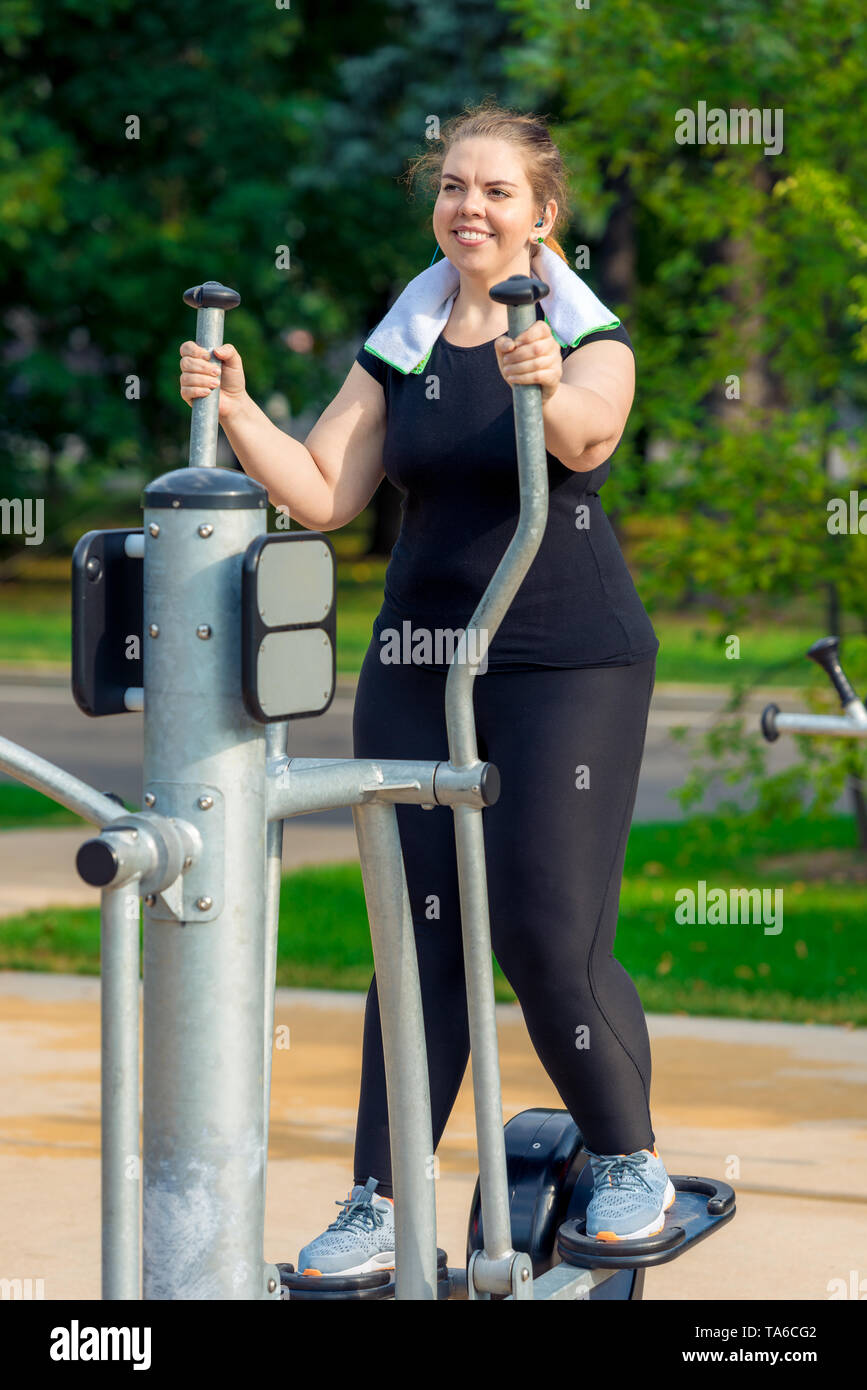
{"x": 144, "y": 149}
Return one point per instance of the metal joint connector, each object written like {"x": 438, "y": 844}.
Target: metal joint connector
{"x": 477, "y": 784}
{"x": 140, "y": 844}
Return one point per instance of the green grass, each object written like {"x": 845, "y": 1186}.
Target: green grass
{"x": 771, "y": 652}
{"x": 36, "y": 616}
{"x": 36, "y": 624}
{"x": 36, "y": 627}
{"x": 22, "y": 808}
{"x": 812, "y": 971}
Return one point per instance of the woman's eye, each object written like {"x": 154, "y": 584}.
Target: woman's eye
{"x": 447, "y": 188}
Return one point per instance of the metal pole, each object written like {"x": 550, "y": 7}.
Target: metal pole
{"x": 119, "y": 1028}
{"x": 404, "y": 1049}
{"x": 276, "y": 736}
{"x": 211, "y": 300}
{"x": 204, "y": 760}
{"x": 61, "y": 786}
{"x": 204, "y": 977}
{"x": 120, "y": 1158}
{"x": 469, "y": 835}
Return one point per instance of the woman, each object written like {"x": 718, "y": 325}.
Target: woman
{"x": 561, "y": 708}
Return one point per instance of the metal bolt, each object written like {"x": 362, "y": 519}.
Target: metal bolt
{"x": 150, "y": 799}
{"x": 150, "y": 899}
{"x": 153, "y": 629}
{"x": 205, "y": 803}
{"x": 525, "y": 1274}
{"x": 203, "y": 904}
{"x": 206, "y": 529}
{"x": 176, "y": 503}
{"x": 272, "y": 1285}
{"x": 188, "y": 861}
{"x": 203, "y": 631}
{"x": 153, "y": 529}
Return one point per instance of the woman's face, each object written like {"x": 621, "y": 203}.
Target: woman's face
{"x": 484, "y": 187}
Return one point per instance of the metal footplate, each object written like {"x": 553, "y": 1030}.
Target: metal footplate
{"x": 378, "y": 1284}
{"x": 702, "y": 1206}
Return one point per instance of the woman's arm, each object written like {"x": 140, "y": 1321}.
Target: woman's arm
{"x": 587, "y": 414}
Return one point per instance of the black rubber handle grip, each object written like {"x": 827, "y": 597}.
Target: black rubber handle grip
{"x": 825, "y": 653}
{"x": 212, "y": 295}
{"x": 519, "y": 289}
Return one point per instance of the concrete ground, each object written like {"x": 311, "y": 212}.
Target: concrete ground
{"x": 775, "y": 1109}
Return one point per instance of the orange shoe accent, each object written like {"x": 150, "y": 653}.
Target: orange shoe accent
{"x": 610, "y": 1235}
{"x": 312, "y": 1271}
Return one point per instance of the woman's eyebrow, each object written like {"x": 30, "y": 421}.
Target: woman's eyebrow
{"x": 489, "y": 184}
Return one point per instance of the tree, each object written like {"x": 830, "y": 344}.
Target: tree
{"x": 750, "y": 299}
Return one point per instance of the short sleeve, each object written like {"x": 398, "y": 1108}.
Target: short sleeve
{"x": 617, "y": 335}
{"x": 373, "y": 364}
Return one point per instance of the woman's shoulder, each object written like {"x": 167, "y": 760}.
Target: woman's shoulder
{"x": 602, "y": 335}
{"x": 377, "y": 368}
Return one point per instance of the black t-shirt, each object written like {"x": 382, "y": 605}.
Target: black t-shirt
{"x": 450, "y": 450}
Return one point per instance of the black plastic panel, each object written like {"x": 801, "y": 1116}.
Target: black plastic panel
{"x": 254, "y": 630}
{"x": 107, "y": 610}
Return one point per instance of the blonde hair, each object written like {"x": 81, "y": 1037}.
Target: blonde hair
{"x": 542, "y": 160}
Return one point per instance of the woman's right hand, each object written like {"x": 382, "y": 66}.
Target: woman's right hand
{"x": 200, "y": 374}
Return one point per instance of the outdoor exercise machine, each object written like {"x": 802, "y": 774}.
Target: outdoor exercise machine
{"x": 221, "y": 634}
{"x": 851, "y": 724}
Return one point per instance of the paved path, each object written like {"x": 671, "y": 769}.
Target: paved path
{"x": 776, "y": 1109}
{"x": 37, "y": 868}
{"x": 37, "y": 711}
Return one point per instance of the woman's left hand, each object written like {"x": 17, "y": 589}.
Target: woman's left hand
{"x": 531, "y": 359}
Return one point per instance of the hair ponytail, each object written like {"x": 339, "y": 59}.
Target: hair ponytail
{"x": 553, "y": 245}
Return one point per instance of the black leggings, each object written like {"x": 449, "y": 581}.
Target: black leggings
{"x": 555, "y": 855}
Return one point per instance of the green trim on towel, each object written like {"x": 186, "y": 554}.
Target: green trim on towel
{"x": 602, "y": 328}
{"x": 420, "y": 368}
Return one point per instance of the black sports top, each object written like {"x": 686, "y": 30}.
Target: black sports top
{"x": 451, "y": 453}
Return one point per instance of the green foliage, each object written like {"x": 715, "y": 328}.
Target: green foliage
{"x": 749, "y": 309}
{"x": 263, "y": 128}
{"x": 260, "y": 128}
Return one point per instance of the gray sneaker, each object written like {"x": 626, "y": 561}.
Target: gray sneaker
{"x": 631, "y": 1194}
{"x": 359, "y": 1241}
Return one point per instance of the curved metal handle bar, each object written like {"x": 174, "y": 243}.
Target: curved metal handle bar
{"x": 491, "y": 1270}
{"x": 96, "y": 807}
{"x": 520, "y": 292}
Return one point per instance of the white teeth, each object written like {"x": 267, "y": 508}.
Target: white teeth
{"x": 472, "y": 236}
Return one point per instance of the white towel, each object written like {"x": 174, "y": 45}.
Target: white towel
{"x": 406, "y": 335}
